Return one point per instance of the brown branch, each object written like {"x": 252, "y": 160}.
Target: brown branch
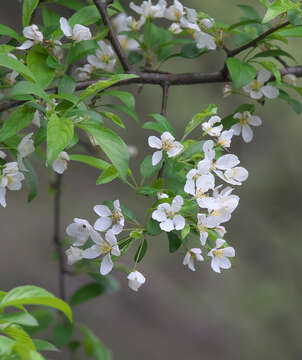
{"x": 257, "y": 40}
{"x": 56, "y": 235}
{"x": 102, "y": 8}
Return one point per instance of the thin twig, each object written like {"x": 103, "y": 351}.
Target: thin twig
{"x": 257, "y": 40}
{"x": 112, "y": 37}
{"x": 56, "y": 235}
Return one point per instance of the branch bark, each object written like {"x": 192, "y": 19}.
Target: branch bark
{"x": 112, "y": 37}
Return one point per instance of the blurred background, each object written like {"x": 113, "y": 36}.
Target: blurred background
{"x": 252, "y": 311}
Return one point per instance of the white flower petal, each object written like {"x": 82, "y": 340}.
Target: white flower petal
{"x": 156, "y": 157}
{"x": 179, "y": 222}
{"x": 154, "y": 142}
{"x": 167, "y": 225}
{"x": 26, "y": 45}
{"x": 106, "y": 265}
{"x": 177, "y": 203}
{"x": 227, "y": 162}
{"x": 102, "y": 210}
{"x": 247, "y": 133}
{"x": 92, "y": 252}
{"x": 65, "y": 27}
{"x": 254, "y": 120}
{"x": 103, "y": 223}
{"x": 270, "y": 92}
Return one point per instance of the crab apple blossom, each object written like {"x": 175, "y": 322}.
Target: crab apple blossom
{"x": 84, "y": 72}
{"x": 148, "y": 10}
{"x": 103, "y": 247}
{"x": 104, "y": 57}
{"x": 109, "y": 218}
{"x": 166, "y": 143}
{"x": 246, "y": 120}
{"x": 257, "y": 88}
{"x": 211, "y": 130}
{"x": 162, "y": 195}
{"x": 135, "y": 280}
{"x": 33, "y": 34}
{"x": 175, "y": 28}
{"x": 191, "y": 256}
{"x": 225, "y": 138}
{"x": 200, "y": 178}
{"x": 11, "y": 179}
{"x": 2, "y": 154}
{"x": 168, "y": 217}
{"x": 25, "y": 148}
{"x": 175, "y": 12}
{"x": 81, "y": 230}
{"x": 61, "y": 163}
{"x": 203, "y": 224}
{"x": 220, "y": 256}
{"x": 74, "y": 254}
{"x": 121, "y": 23}
{"x": 77, "y": 33}
{"x": 290, "y": 79}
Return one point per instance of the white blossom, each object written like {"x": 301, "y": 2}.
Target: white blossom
{"x": 210, "y": 129}
{"x": 84, "y": 72}
{"x": 204, "y": 40}
{"x": 166, "y": 143}
{"x": 162, "y": 195}
{"x": 104, "y": 58}
{"x": 221, "y": 231}
{"x": 191, "y": 256}
{"x": 203, "y": 224}
{"x": 74, "y": 255}
{"x": 290, "y": 79}
{"x": 257, "y": 88}
{"x": 220, "y": 256}
{"x": 2, "y": 154}
{"x": 225, "y": 138}
{"x": 81, "y": 230}
{"x": 174, "y": 12}
{"x": 104, "y": 247}
{"x": 121, "y": 23}
{"x": 133, "y": 151}
{"x": 57, "y": 49}
{"x": 200, "y": 180}
{"x": 61, "y": 163}
{"x": 25, "y": 148}
{"x": 246, "y": 120}
{"x": 11, "y": 179}
{"x": 33, "y": 34}
{"x": 148, "y": 10}
{"x": 207, "y": 22}
{"x": 77, "y": 33}
{"x": 175, "y": 28}
{"x": 168, "y": 217}
{"x": 109, "y": 218}
{"x": 136, "y": 280}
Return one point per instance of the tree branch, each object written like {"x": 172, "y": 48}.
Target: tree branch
{"x": 102, "y": 8}
{"x": 256, "y": 41}
{"x": 56, "y": 235}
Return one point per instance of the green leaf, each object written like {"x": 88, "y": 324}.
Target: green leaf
{"x": 147, "y": 169}
{"x": 249, "y": 12}
{"x": 113, "y": 117}
{"x": 153, "y": 227}
{"x": 59, "y": 135}
{"x": 81, "y": 49}
{"x": 273, "y": 68}
{"x": 50, "y": 18}
{"x": 6, "y": 346}
{"x": 18, "y": 120}
{"x": 134, "y": 57}
{"x": 24, "y": 88}
{"x": 26, "y": 353}
{"x": 272, "y": 53}
{"x": 141, "y": 251}
{"x": 33, "y": 295}
{"x": 126, "y": 110}
{"x": 42, "y": 345}
{"x": 198, "y": 118}
{"x": 278, "y": 7}
{"x": 93, "y": 346}
{"x": 36, "y": 62}
{"x": 71, "y": 4}
{"x": 195, "y": 148}
{"x": 21, "y": 318}
{"x": 91, "y": 161}
{"x": 112, "y": 145}
{"x": 29, "y": 7}
{"x": 164, "y": 123}
{"x": 185, "y": 231}
{"x": 241, "y": 73}
{"x": 16, "y": 65}
{"x": 85, "y": 293}
{"x": 7, "y": 31}
{"x": 66, "y": 85}
{"x": 174, "y": 241}
{"x": 104, "y": 84}
{"x": 190, "y": 51}
{"x": 108, "y": 283}
{"x": 85, "y": 16}
{"x": 62, "y": 335}
{"x": 127, "y": 98}
{"x": 16, "y": 332}
{"x": 107, "y": 176}
{"x": 291, "y": 31}
{"x": 31, "y": 180}
{"x": 175, "y": 176}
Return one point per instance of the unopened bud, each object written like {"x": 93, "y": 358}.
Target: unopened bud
{"x": 227, "y": 90}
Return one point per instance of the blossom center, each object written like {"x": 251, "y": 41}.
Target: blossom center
{"x": 256, "y": 85}
{"x": 105, "y": 247}
{"x": 200, "y": 194}
{"x": 167, "y": 145}
{"x": 116, "y": 217}
{"x": 9, "y": 180}
{"x": 218, "y": 253}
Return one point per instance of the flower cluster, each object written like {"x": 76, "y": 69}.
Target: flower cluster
{"x": 112, "y": 223}
{"x": 215, "y": 203}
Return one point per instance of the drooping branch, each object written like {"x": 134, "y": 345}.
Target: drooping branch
{"x": 254, "y": 42}
{"x": 102, "y": 8}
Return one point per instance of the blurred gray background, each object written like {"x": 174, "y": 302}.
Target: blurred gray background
{"x": 252, "y": 311}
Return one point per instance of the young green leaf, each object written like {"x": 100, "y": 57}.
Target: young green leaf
{"x": 66, "y": 85}
{"x": 31, "y": 180}
{"x": 33, "y": 295}
{"x": 241, "y": 73}
{"x": 113, "y": 117}
{"x": 7, "y": 31}
{"x": 126, "y": 110}
{"x": 112, "y": 145}
{"x": 147, "y": 169}
{"x": 198, "y": 118}
{"x": 87, "y": 15}
{"x": 107, "y": 176}
{"x": 36, "y": 62}
{"x": 59, "y": 135}
{"x": 174, "y": 241}
{"x": 127, "y": 98}
{"x": 42, "y": 345}
{"x": 16, "y": 65}
{"x": 93, "y": 346}
{"x": 29, "y": 7}
{"x": 278, "y": 7}
{"x": 81, "y": 49}
{"x": 91, "y": 161}
{"x": 141, "y": 251}
{"x": 85, "y": 293}
{"x": 21, "y": 318}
